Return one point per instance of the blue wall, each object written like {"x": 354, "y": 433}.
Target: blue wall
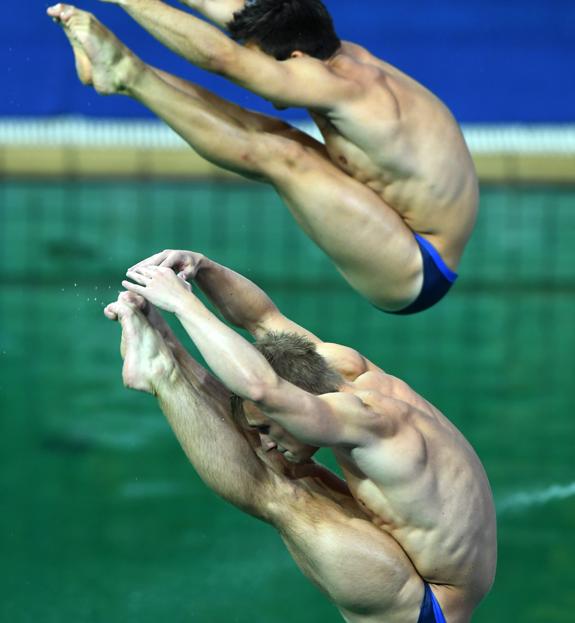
{"x": 490, "y": 60}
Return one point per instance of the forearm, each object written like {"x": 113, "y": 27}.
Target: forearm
{"x": 220, "y": 12}
{"x": 240, "y": 301}
{"x": 200, "y": 43}
{"x": 238, "y": 365}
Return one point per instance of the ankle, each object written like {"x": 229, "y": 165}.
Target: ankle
{"x": 167, "y": 379}
{"x": 132, "y": 72}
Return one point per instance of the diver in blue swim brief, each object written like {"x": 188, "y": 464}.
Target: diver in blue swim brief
{"x": 393, "y": 160}
{"x": 415, "y": 508}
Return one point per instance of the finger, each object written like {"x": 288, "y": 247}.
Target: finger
{"x": 175, "y": 257}
{"x": 160, "y": 270}
{"x": 138, "y": 277}
{"x": 153, "y": 260}
{"x": 132, "y": 287}
{"x": 146, "y": 271}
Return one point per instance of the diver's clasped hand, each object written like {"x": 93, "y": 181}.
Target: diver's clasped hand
{"x": 160, "y": 286}
{"x": 185, "y": 263}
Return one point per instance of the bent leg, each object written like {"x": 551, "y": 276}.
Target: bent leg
{"x": 360, "y": 566}
{"x": 196, "y": 405}
{"x": 368, "y": 241}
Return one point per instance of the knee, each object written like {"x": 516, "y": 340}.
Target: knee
{"x": 292, "y": 159}
{"x": 278, "y": 156}
{"x": 297, "y": 157}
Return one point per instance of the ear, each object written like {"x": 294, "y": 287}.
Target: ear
{"x": 296, "y": 54}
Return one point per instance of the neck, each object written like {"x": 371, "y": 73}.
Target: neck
{"x": 335, "y": 55}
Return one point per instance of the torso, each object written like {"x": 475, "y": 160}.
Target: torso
{"x": 401, "y": 141}
{"x": 424, "y": 485}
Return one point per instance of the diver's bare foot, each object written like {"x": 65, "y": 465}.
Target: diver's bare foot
{"x": 148, "y": 361}
{"x": 101, "y": 59}
{"x": 154, "y": 317}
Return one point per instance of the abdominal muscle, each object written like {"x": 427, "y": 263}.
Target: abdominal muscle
{"x": 403, "y": 143}
{"x": 441, "y": 538}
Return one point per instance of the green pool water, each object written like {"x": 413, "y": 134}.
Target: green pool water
{"x": 102, "y": 518}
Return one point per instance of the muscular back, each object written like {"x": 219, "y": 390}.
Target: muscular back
{"x": 401, "y": 140}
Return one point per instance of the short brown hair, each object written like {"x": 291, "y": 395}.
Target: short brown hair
{"x": 295, "y": 359}
{"x": 280, "y": 27}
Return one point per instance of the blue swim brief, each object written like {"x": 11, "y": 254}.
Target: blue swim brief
{"x": 430, "y": 608}
{"x": 437, "y": 279}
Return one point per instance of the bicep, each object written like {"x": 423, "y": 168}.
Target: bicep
{"x": 305, "y": 416}
{"x": 331, "y": 420}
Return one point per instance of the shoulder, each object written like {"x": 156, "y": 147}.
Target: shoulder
{"x": 364, "y": 415}
{"x": 347, "y": 361}
{"x": 359, "y": 62}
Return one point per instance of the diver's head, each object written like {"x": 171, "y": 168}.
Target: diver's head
{"x": 286, "y": 28}
{"x": 294, "y": 358}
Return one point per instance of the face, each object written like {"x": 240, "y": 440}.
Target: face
{"x": 276, "y": 438}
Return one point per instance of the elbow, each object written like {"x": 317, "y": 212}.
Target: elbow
{"x": 262, "y": 391}
{"x": 257, "y": 391}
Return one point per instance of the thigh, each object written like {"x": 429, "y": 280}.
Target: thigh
{"x": 367, "y": 239}
{"x": 359, "y": 566}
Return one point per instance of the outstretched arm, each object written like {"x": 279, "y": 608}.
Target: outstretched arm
{"x": 286, "y": 83}
{"x": 338, "y": 419}
{"x": 239, "y": 300}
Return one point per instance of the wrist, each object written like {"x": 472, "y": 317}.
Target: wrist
{"x": 204, "y": 271}
{"x": 188, "y": 306}
{"x": 204, "y": 264}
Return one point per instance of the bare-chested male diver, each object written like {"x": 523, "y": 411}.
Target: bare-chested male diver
{"x": 392, "y": 195}
{"x": 411, "y": 533}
